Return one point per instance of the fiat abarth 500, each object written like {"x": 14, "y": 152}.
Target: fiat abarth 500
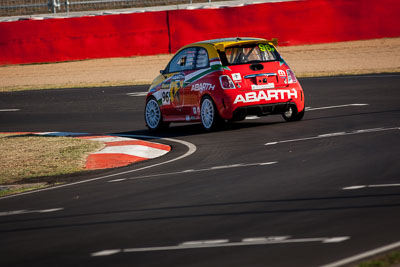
{"x": 224, "y": 80}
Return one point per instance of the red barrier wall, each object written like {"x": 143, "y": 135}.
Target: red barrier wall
{"x": 85, "y": 37}
{"x": 293, "y": 23}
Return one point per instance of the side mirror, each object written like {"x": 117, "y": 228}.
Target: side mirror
{"x": 163, "y": 73}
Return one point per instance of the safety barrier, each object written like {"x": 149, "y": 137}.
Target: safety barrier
{"x": 293, "y": 23}
{"x": 55, "y": 40}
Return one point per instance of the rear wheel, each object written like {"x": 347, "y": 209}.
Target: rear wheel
{"x": 209, "y": 115}
{"x": 153, "y": 115}
{"x": 291, "y": 114}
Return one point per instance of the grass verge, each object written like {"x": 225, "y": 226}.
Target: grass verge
{"x": 391, "y": 259}
{"x": 25, "y": 158}
{"x": 10, "y": 190}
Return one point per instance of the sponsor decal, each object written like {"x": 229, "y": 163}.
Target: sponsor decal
{"x": 282, "y": 73}
{"x": 236, "y": 77}
{"x": 262, "y": 86}
{"x": 194, "y": 110}
{"x": 166, "y": 84}
{"x": 280, "y": 94}
{"x": 203, "y": 87}
{"x": 175, "y": 88}
{"x": 215, "y": 65}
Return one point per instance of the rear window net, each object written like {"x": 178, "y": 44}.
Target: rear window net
{"x": 249, "y": 54}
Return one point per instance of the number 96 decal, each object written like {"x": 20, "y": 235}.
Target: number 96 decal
{"x": 166, "y": 99}
{"x": 266, "y": 47}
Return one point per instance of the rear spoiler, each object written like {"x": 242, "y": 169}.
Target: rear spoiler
{"x": 273, "y": 41}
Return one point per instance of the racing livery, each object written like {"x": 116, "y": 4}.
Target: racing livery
{"x": 224, "y": 79}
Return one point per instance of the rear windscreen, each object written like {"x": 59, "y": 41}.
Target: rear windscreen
{"x": 248, "y": 54}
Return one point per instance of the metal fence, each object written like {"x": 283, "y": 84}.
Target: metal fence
{"x": 30, "y": 7}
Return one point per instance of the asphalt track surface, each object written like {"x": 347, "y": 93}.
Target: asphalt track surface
{"x": 260, "y": 192}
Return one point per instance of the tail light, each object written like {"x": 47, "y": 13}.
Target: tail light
{"x": 226, "y": 82}
{"x": 291, "y": 77}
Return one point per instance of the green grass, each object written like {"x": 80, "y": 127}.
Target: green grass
{"x": 22, "y": 189}
{"x": 388, "y": 260}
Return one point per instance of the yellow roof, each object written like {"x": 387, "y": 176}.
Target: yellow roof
{"x": 220, "y": 44}
{"x": 230, "y": 41}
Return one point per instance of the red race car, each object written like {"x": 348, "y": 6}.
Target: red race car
{"x": 224, "y": 79}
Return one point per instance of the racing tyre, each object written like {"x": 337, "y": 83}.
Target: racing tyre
{"x": 153, "y": 116}
{"x": 291, "y": 114}
{"x": 209, "y": 115}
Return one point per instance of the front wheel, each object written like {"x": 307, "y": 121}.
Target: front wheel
{"x": 291, "y": 114}
{"x": 153, "y": 115}
{"x": 209, "y": 115}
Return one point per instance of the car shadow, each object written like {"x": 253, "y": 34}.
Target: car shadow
{"x": 185, "y": 129}
{"x": 191, "y": 129}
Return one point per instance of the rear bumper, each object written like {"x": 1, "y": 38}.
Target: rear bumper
{"x": 260, "y": 110}
{"x": 259, "y": 103}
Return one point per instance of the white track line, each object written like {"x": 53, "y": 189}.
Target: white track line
{"x": 191, "y": 149}
{"x": 224, "y": 243}
{"x": 355, "y": 187}
{"x": 252, "y": 118}
{"x": 351, "y": 77}
{"x": 18, "y": 212}
{"x": 319, "y": 108}
{"x": 339, "y": 106}
{"x": 198, "y": 170}
{"x": 137, "y": 94}
{"x": 333, "y": 135}
{"x": 363, "y": 255}
{"x": 9, "y": 110}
